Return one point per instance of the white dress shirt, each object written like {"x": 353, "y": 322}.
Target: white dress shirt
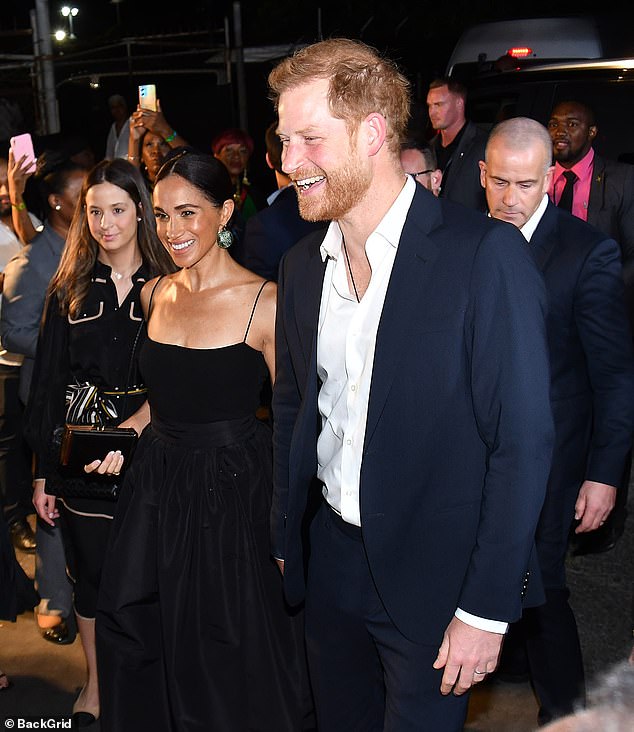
{"x": 529, "y": 227}
{"x": 345, "y": 354}
{"x": 345, "y": 358}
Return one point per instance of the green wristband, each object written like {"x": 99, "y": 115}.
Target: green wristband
{"x": 171, "y": 137}
{"x": 20, "y": 206}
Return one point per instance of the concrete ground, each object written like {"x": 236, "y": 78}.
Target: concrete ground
{"x": 47, "y": 678}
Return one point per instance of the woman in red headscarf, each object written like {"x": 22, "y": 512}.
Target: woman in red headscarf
{"x": 233, "y": 147}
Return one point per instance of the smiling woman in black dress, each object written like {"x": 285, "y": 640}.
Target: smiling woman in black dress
{"x": 197, "y": 622}
{"x": 92, "y": 317}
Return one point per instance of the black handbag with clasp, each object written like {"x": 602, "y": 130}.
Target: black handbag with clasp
{"x": 81, "y": 444}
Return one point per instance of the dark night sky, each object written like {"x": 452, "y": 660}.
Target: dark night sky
{"x": 418, "y": 34}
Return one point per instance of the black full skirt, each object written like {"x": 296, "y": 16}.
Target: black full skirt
{"x": 192, "y": 630}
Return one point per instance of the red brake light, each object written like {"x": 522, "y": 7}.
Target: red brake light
{"x": 520, "y": 51}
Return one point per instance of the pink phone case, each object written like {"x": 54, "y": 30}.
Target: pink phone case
{"x": 23, "y": 145}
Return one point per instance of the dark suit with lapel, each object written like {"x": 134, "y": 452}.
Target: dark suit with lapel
{"x": 611, "y": 210}
{"x": 611, "y": 207}
{"x": 461, "y": 178}
{"x": 271, "y": 232}
{"x": 592, "y": 392}
{"x": 459, "y": 431}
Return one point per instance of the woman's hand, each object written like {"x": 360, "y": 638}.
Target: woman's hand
{"x": 137, "y": 130}
{"x": 17, "y": 175}
{"x": 44, "y": 504}
{"x": 110, "y": 465}
{"x": 155, "y": 122}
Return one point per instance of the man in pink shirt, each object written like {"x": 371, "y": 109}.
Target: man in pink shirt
{"x": 600, "y": 192}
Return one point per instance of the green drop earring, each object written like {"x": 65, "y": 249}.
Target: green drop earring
{"x": 224, "y": 238}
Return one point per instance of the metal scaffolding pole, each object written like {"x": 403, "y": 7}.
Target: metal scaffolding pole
{"x": 239, "y": 56}
{"x": 43, "y": 52}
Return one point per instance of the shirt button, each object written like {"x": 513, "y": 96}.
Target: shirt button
{"x": 348, "y": 442}
{"x": 353, "y": 387}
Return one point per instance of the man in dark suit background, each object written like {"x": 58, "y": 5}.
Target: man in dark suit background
{"x": 459, "y": 144}
{"x": 409, "y": 416}
{"x": 600, "y": 192}
{"x": 592, "y": 392}
{"x": 276, "y": 228}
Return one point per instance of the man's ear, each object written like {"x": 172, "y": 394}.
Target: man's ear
{"x": 436, "y": 180}
{"x": 592, "y": 131}
{"x": 483, "y": 173}
{"x": 548, "y": 178}
{"x": 268, "y": 161}
{"x": 374, "y": 127}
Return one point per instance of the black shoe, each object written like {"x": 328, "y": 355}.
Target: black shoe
{"x": 58, "y": 634}
{"x": 22, "y": 536}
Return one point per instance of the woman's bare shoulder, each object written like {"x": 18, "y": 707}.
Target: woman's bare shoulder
{"x": 152, "y": 288}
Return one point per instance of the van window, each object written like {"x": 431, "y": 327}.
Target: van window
{"x": 487, "y": 111}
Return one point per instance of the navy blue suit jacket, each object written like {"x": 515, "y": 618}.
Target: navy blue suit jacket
{"x": 459, "y": 429}
{"x": 271, "y": 232}
{"x": 592, "y": 368}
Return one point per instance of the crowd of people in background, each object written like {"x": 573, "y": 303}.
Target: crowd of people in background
{"x": 362, "y": 458}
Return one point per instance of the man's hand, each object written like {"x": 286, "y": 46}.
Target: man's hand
{"x": 593, "y": 506}
{"x": 467, "y": 654}
{"x": 280, "y": 564}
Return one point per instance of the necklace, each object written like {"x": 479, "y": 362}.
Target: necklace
{"x": 120, "y": 275}
{"x": 354, "y": 284}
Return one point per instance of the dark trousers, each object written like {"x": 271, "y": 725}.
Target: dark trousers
{"x": 549, "y": 632}
{"x": 15, "y": 456}
{"x": 366, "y": 676}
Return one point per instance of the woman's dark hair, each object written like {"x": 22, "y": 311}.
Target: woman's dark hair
{"x": 72, "y": 279}
{"x": 203, "y": 171}
{"x": 54, "y": 168}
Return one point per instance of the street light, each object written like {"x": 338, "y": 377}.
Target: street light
{"x": 70, "y": 12}
{"x": 60, "y": 35}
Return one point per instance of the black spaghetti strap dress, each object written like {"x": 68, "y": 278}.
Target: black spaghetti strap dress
{"x": 192, "y": 630}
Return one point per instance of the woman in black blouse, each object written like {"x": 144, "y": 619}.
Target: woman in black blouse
{"x": 83, "y": 370}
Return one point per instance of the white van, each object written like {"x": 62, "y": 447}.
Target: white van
{"x": 531, "y": 39}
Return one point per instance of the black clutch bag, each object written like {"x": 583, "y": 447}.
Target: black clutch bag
{"x": 80, "y": 445}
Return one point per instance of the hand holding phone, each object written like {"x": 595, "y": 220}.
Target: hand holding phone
{"x": 21, "y": 146}
{"x": 147, "y": 97}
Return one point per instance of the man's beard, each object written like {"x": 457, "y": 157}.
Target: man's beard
{"x": 5, "y": 209}
{"x": 342, "y": 190}
{"x": 566, "y": 156}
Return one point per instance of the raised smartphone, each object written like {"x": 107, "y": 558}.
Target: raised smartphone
{"x": 147, "y": 97}
{"x": 22, "y": 145}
